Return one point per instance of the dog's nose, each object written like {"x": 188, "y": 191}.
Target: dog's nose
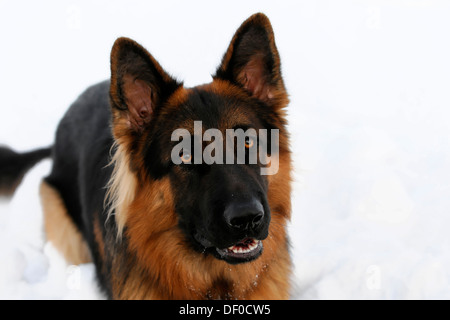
{"x": 244, "y": 215}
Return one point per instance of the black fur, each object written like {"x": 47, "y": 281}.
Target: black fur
{"x": 250, "y": 41}
{"x": 82, "y": 152}
{"x": 217, "y": 205}
{"x": 203, "y": 216}
{"x": 13, "y": 167}
{"x": 81, "y": 155}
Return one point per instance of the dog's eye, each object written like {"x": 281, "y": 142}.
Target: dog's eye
{"x": 186, "y": 157}
{"x": 249, "y": 142}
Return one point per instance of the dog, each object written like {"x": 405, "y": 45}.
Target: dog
{"x": 156, "y": 227}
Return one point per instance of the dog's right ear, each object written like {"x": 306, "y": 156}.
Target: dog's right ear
{"x": 139, "y": 86}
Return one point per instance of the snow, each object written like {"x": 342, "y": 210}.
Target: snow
{"x": 369, "y": 84}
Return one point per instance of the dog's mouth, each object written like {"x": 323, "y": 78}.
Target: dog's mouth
{"x": 246, "y": 250}
{"x": 243, "y": 251}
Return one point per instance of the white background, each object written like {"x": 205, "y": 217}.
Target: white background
{"x": 369, "y": 84}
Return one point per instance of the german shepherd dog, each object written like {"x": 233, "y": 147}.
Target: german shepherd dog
{"x": 159, "y": 230}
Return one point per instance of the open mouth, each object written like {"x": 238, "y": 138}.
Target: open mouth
{"x": 243, "y": 251}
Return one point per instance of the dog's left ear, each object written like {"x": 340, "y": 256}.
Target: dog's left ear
{"x": 139, "y": 85}
{"x": 253, "y": 63}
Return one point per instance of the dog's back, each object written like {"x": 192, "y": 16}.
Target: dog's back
{"x": 81, "y": 153}
{"x": 80, "y": 172}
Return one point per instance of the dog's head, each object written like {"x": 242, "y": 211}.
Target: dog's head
{"x": 220, "y": 197}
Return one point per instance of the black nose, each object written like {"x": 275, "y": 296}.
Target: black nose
{"x": 244, "y": 214}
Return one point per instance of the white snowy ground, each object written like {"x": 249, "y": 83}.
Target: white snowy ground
{"x": 369, "y": 84}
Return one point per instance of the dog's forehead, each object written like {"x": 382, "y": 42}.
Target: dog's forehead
{"x": 216, "y": 106}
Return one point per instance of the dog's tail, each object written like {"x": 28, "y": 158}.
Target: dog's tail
{"x": 14, "y": 166}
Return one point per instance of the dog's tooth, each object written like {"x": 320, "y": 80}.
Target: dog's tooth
{"x": 254, "y": 245}
{"x": 242, "y": 250}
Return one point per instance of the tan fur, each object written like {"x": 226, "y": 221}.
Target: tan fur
{"x": 60, "y": 228}
{"x": 157, "y": 261}
{"x": 165, "y": 267}
{"x": 121, "y": 188}
{"x": 174, "y": 271}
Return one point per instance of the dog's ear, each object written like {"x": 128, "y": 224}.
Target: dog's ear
{"x": 138, "y": 85}
{"x": 252, "y": 62}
